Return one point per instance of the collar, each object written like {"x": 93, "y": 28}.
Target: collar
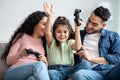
{"x": 102, "y": 32}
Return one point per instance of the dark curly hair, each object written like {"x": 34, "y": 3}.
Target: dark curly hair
{"x": 61, "y": 20}
{"x": 26, "y": 27}
{"x": 103, "y": 13}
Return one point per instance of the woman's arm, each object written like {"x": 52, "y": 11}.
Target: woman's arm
{"x": 14, "y": 54}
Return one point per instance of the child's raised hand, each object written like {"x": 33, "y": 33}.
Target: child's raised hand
{"x": 80, "y": 24}
{"x": 48, "y": 9}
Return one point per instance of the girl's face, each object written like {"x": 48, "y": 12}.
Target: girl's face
{"x": 39, "y": 28}
{"x": 62, "y": 33}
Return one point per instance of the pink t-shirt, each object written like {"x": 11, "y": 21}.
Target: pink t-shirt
{"x": 28, "y": 42}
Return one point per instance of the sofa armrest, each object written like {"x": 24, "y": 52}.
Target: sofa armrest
{"x": 3, "y": 65}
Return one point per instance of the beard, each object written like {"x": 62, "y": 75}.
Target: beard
{"x": 92, "y": 31}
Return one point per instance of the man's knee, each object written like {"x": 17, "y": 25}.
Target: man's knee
{"x": 79, "y": 75}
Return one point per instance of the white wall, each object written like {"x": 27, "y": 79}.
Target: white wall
{"x": 12, "y": 12}
{"x": 119, "y": 16}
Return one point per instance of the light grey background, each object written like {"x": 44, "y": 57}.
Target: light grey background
{"x": 13, "y": 12}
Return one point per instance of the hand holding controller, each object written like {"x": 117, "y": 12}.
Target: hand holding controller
{"x": 30, "y": 51}
{"x": 77, "y": 17}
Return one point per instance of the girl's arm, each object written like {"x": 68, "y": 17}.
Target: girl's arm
{"x": 77, "y": 44}
{"x": 48, "y": 34}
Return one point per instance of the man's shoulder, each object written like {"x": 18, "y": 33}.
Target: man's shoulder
{"x": 109, "y": 32}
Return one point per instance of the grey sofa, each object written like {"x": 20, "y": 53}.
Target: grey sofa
{"x": 3, "y": 65}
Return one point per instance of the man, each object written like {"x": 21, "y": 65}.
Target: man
{"x": 100, "y": 47}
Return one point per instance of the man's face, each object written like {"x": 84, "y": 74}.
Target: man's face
{"x": 94, "y": 24}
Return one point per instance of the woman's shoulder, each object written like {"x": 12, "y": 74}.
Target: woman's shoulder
{"x": 25, "y": 37}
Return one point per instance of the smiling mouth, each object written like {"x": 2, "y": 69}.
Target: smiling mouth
{"x": 62, "y": 38}
{"x": 88, "y": 29}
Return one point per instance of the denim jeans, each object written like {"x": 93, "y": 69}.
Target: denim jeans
{"x": 63, "y": 72}
{"x": 114, "y": 74}
{"x": 87, "y": 75}
{"x": 96, "y": 73}
{"x": 31, "y": 71}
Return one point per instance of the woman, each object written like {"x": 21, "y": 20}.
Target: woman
{"x": 20, "y": 53}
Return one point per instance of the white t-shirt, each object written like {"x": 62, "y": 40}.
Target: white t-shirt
{"x": 91, "y": 44}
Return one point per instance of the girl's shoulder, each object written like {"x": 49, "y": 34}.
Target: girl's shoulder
{"x": 71, "y": 40}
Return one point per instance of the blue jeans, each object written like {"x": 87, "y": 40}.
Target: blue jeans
{"x": 114, "y": 74}
{"x": 63, "y": 72}
{"x": 87, "y": 75}
{"x": 96, "y": 73}
{"x": 31, "y": 71}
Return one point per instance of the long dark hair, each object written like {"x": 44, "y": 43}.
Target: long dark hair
{"x": 61, "y": 20}
{"x": 26, "y": 27}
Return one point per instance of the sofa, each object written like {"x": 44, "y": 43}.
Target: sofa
{"x": 3, "y": 65}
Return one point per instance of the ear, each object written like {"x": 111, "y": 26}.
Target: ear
{"x": 104, "y": 24}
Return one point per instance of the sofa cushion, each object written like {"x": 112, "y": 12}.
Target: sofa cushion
{"x": 3, "y": 65}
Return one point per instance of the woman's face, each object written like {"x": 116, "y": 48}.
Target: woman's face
{"x": 62, "y": 33}
{"x": 39, "y": 28}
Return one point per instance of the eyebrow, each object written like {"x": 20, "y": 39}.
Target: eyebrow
{"x": 92, "y": 22}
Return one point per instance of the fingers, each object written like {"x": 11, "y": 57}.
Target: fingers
{"x": 52, "y": 8}
{"x": 48, "y": 9}
{"x": 23, "y": 53}
{"x": 83, "y": 48}
{"x": 46, "y": 6}
{"x": 80, "y": 53}
{"x": 42, "y": 58}
{"x": 78, "y": 24}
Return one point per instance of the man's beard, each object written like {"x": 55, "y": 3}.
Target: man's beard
{"x": 96, "y": 31}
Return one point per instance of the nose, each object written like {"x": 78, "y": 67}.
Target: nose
{"x": 62, "y": 33}
{"x": 89, "y": 25}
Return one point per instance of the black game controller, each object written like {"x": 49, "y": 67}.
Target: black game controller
{"x": 29, "y": 51}
{"x": 77, "y": 17}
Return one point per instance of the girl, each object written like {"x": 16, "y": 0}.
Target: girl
{"x": 60, "y": 46}
{"x": 30, "y": 35}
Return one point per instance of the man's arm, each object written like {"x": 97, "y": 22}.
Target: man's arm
{"x": 98, "y": 60}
